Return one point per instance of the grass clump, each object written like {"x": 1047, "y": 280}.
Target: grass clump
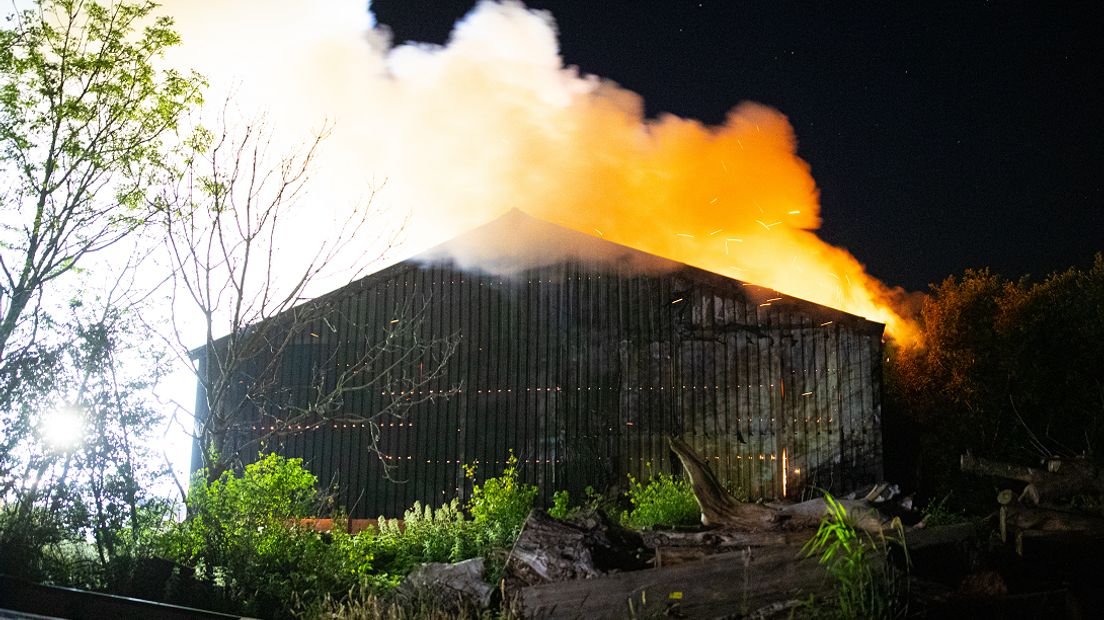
{"x": 867, "y": 585}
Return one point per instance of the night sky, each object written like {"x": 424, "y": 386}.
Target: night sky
{"x": 942, "y": 137}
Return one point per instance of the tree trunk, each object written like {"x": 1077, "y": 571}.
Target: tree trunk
{"x": 549, "y": 550}
{"x": 718, "y": 507}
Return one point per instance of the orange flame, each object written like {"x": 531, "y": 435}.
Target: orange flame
{"x": 494, "y": 120}
{"x": 733, "y": 199}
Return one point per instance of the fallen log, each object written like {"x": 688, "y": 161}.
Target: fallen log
{"x": 808, "y": 514}
{"x": 673, "y": 548}
{"x": 1061, "y": 478}
{"x": 734, "y": 584}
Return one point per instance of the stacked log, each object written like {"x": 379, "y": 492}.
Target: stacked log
{"x": 1037, "y": 513}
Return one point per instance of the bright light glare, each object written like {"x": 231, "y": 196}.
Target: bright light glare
{"x": 62, "y": 429}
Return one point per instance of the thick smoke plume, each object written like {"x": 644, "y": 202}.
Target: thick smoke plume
{"x": 493, "y": 120}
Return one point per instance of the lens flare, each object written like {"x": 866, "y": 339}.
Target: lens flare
{"x": 62, "y": 430}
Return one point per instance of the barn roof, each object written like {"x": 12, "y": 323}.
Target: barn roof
{"x": 516, "y": 243}
{"x": 507, "y": 247}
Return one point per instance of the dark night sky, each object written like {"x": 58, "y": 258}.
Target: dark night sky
{"x": 942, "y": 137}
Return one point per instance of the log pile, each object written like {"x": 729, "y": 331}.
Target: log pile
{"x": 1044, "y": 510}
{"x": 1061, "y": 479}
{"x": 757, "y": 582}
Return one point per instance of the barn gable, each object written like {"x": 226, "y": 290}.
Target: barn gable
{"x": 579, "y": 359}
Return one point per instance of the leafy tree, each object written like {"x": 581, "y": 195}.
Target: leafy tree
{"x": 84, "y": 115}
{"x": 1011, "y": 370}
{"x": 80, "y": 511}
{"x": 87, "y": 125}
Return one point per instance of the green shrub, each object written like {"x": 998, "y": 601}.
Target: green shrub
{"x": 424, "y": 535}
{"x": 499, "y": 507}
{"x": 244, "y": 534}
{"x": 561, "y": 505}
{"x": 663, "y": 500}
{"x": 563, "y": 509}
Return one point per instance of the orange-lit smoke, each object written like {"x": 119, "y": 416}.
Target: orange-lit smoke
{"x": 493, "y": 121}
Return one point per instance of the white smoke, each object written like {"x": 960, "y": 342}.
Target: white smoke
{"x": 493, "y": 120}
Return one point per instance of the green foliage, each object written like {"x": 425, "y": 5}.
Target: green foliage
{"x": 82, "y": 515}
{"x": 85, "y": 120}
{"x": 1011, "y": 370}
{"x": 245, "y": 534}
{"x": 499, "y": 507}
{"x": 425, "y": 535}
{"x": 866, "y": 589}
{"x": 563, "y": 509}
{"x": 84, "y": 116}
{"x": 561, "y": 505}
{"x": 662, "y": 500}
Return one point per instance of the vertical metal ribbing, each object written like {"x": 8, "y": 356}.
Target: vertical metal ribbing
{"x": 526, "y": 413}
{"x": 724, "y": 384}
{"x": 874, "y": 372}
{"x": 647, "y": 303}
{"x": 391, "y": 503}
{"x": 454, "y": 378}
{"x": 762, "y": 400}
{"x": 568, "y": 350}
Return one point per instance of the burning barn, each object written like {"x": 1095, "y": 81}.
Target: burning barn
{"x": 578, "y": 359}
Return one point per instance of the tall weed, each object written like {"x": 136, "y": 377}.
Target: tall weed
{"x": 867, "y": 586}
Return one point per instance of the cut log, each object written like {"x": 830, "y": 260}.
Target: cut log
{"x": 718, "y": 507}
{"x": 984, "y": 467}
{"x": 1061, "y": 478}
{"x": 549, "y": 550}
{"x": 920, "y": 538}
{"x": 725, "y": 585}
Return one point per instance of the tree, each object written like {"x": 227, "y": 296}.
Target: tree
{"x": 84, "y": 114}
{"x": 235, "y": 217}
{"x": 88, "y": 126}
{"x": 85, "y": 470}
{"x": 1010, "y": 370}
{"x": 84, "y": 118}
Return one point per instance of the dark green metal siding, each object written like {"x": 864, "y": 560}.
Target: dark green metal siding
{"x": 581, "y": 370}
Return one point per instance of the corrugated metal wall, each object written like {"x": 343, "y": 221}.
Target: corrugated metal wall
{"x": 581, "y": 371}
